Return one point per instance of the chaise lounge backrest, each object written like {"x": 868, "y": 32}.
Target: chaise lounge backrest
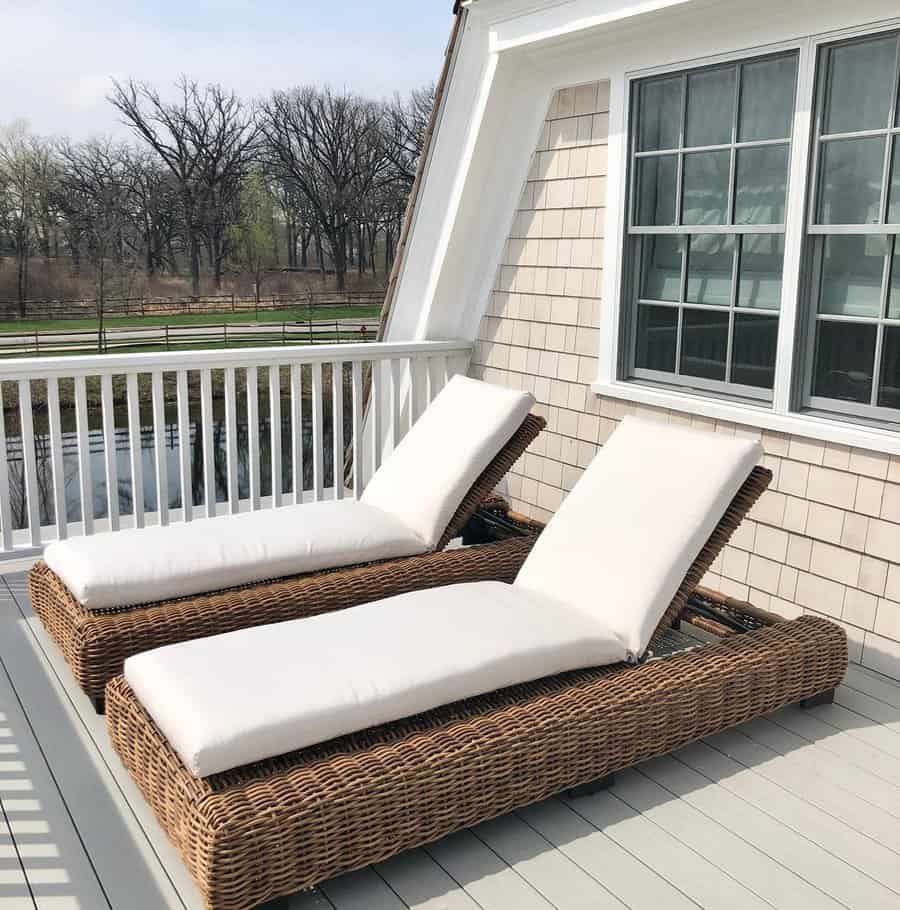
{"x": 425, "y": 480}
{"x": 643, "y": 524}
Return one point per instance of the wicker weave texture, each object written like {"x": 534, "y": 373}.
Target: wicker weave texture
{"x": 275, "y": 827}
{"x": 95, "y": 644}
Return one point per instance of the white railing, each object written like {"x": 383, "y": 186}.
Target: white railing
{"x": 101, "y": 443}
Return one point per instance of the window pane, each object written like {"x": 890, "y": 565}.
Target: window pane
{"x": 767, "y": 99}
{"x": 710, "y": 106}
{"x": 660, "y": 114}
{"x": 655, "y": 183}
{"x": 850, "y": 182}
{"x": 845, "y": 355}
{"x": 894, "y": 299}
{"x": 860, "y": 85}
{"x": 704, "y": 343}
{"x": 710, "y": 263}
{"x": 889, "y": 386}
{"x": 761, "y": 264}
{"x": 753, "y": 350}
{"x": 656, "y": 332}
{"x": 894, "y": 193}
{"x": 852, "y": 269}
{"x": 761, "y": 185}
{"x": 661, "y": 268}
{"x": 706, "y": 188}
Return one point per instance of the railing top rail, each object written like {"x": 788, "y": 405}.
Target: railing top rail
{"x": 116, "y": 364}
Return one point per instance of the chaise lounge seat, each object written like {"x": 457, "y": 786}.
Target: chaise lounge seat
{"x": 352, "y": 736}
{"x": 106, "y": 597}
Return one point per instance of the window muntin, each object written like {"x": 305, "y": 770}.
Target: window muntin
{"x": 710, "y": 156}
{"x": 853, "y": 300}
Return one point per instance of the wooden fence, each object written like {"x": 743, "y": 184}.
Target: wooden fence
{"x": 11, "y": 310}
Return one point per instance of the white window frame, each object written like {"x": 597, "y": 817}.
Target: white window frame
{"x": 780, "y": 414}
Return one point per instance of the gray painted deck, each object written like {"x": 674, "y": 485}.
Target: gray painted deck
{"x": 797, "y": 810}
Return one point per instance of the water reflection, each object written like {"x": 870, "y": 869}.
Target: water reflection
{"x": 172, "y": 443}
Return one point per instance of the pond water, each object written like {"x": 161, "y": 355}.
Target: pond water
{"x": 148, "y": 459}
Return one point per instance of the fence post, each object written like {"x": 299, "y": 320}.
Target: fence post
{"x": 232, "y": 301}
{"x": 37, "y": 342}
{"x": 225, "y": 333}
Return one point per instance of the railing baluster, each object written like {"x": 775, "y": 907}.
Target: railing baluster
{"x": 337, "y": 426}
{"x": 85, "y": 473}
{"x": 6, "y": 536}
{"x": 275, "y": 431}
{"x": 29, "y": 462}
{"x": 253, "y": 436}
{"x": 209, "y": 465}
{"x": 134, "y": 447}
{"x": 56, "y": 459}
{"x": 318, "y": 480}
{"x": 231, "y": 451}
{"x": 356, "y": 380}
{"x": 396, "y": 378}
{"x": 184, "y": 445}
{"x": 159, "y": 447}
{"x": 109, "y": 450}
{"x": 375, "y": 405}
{"x": 297, "y": 431}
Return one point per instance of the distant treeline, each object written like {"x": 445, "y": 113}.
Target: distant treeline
{"x": 213, "y": 185}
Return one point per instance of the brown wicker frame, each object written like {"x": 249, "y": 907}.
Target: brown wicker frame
{"x": 288, "y": 823}
{"x": 95, "y": 644}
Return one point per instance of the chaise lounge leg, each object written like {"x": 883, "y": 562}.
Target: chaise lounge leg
{"x": 595, "y": 786}
{"x": 99, "y": 703}
{"x": 823, "y": 698}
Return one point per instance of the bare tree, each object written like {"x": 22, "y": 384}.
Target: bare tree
{"x": 24, "y": 171}
{"x": 98, "y": 194}
{"x": 207, "y": 139}
{"x": 332, "y": 145}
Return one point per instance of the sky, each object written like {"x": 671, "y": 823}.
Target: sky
{"x": 57, "y": 57}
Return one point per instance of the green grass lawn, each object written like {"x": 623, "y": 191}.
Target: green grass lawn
{"x": 289, "y": 314}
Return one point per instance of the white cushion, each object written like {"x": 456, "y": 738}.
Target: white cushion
{"x": 425, "y": 478}
{"x": 622, "y": 542}
{"x": 233, "y": 699}
{"x": 141, "y": 566}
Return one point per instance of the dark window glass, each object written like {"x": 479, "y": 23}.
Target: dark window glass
{"x": 860, "y": 85}
{"x": 710, "y": 264}
{"x": 659, "y": 101}
{"x": 656, "y": 337}
{"x": 706, "y": 188}
{"x": 761, "y": 264}
{"x": 852, "y": 271}
{"x": 767, "y": 99}
{"x": 710, "y": 106}
{"x": 845, "y": 355}
{"x": 704, "y": 343}
{"x": 893, "y": 215}
{"x": 893, "y": 310}
{"x": 889, "y": 385}
{"x": 761, "y": 185}
{"x": 753, "y": 350}
{"x": 661, "y": 270}
{"x": 850, "y": 182}
{"x": 656, "y": 178}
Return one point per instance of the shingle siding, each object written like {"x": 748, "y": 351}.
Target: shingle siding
{"x": 824, "y": 539}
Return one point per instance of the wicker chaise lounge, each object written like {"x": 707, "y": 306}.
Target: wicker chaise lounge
{"x": 269, "y": 827}
{"x": 454, "y": 457}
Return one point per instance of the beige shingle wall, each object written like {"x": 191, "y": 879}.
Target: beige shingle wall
{"x": 825, "y": 538}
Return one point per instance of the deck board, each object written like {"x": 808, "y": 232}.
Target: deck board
{"x": 797, "y": 810}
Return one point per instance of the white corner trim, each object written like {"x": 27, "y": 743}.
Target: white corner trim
{"x": 762, "y": 417}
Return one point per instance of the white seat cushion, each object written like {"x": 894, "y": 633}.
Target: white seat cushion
{"x": 622, "y": 542}
{"x": 425, "y": 478}
{"x": 142, "y": 566}
{"x": 233, "y": 699}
